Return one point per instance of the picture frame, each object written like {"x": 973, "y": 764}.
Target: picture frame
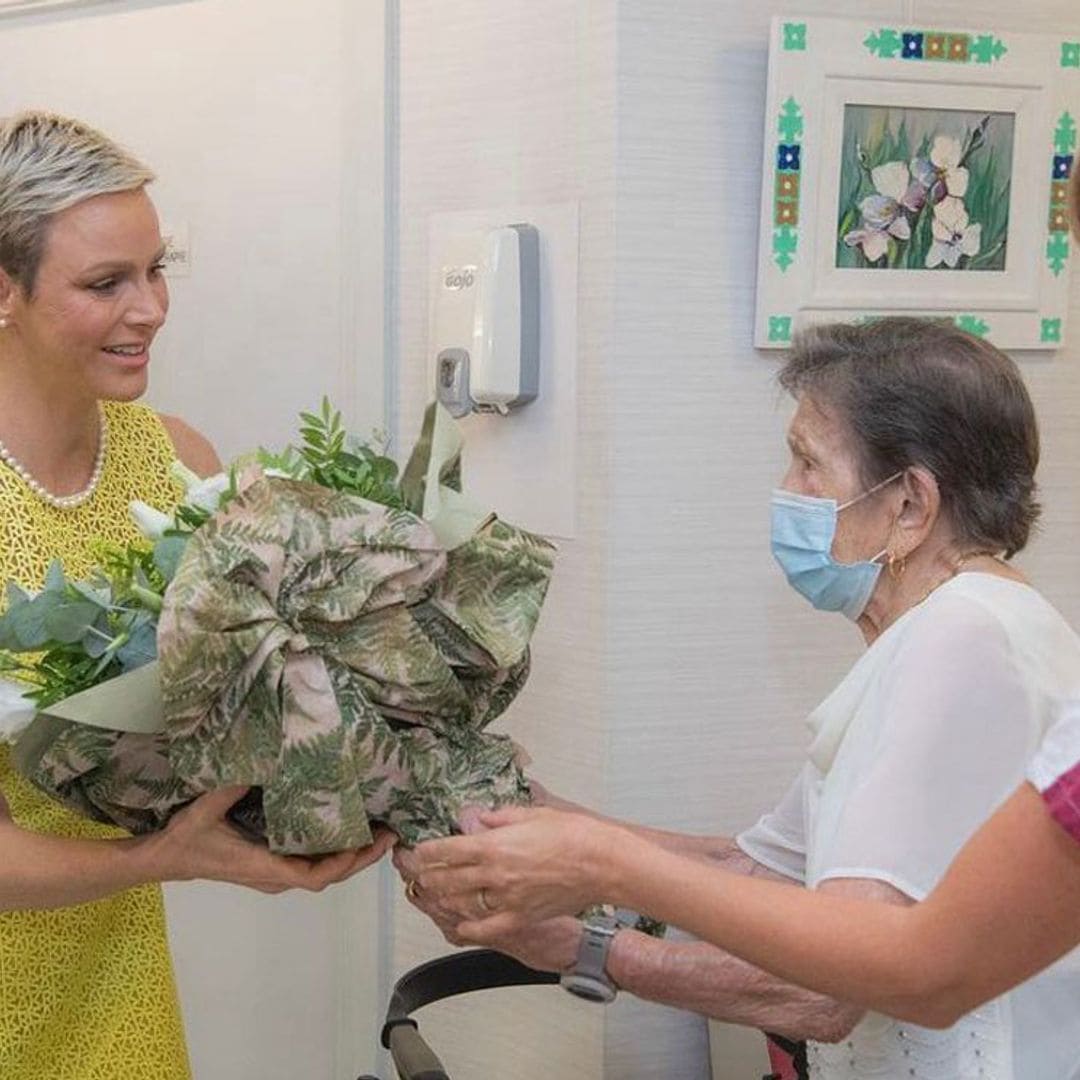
{"x": 918, "y": 171}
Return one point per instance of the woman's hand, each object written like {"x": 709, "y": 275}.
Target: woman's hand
{"x": 530, "y": 865}
{"x": 198, "y": 843}
{"x": 551, "y": 945}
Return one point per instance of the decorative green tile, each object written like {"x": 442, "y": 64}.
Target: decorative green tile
{"x": 1070, "y": 54}
{"x": 986, "y": 48}
{"x": 972, "y": 324}
{"x": 790, "y": 123}
{"x": 885, "y": 43}
{"x": 779, "y": 327}
{"x": 785, "y": 243}
{"x": 1057, "y": 251}
{"x": 1051, "y": 330}
{"x": 1065, "y": 134}
{"x": 795, "y": 37}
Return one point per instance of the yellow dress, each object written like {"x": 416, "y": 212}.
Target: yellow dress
{"x": 86, "y": 992}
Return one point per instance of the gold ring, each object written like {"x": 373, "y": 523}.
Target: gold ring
{"x": 481, "y": 898}
{"x": 412, "y": 890}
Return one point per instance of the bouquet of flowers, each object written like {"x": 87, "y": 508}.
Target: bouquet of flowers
{"x": 313, "y": 625}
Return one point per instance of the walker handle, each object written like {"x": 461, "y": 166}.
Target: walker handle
{"x": 413, "y": 1058}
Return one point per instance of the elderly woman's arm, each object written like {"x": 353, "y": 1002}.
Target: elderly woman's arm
{"x": 703, "y": 977}
{"x": 1006, "y": 908}
{"x": 685, "y": 974}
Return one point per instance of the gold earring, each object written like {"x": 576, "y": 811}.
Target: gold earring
{"x": 897, "y": 565}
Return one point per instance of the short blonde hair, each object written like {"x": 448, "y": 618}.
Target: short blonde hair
{"x": 47, "y": 164}
{"x": 1074, "y": 197}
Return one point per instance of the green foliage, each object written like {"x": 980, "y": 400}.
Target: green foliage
{"x": 77, "y": 634}
{"x": 331, "y": 458}
{"x": 73, "y": 635}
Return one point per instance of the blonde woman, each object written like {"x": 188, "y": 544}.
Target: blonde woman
{"x": 86, "y": 983}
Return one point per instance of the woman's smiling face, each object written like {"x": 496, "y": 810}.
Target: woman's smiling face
{"x": 98, "y": 300}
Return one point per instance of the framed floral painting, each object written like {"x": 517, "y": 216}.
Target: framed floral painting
{"x": 919, "y": 171}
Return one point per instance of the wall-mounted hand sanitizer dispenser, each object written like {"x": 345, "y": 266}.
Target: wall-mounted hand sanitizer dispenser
{"x": 487, "y": 325}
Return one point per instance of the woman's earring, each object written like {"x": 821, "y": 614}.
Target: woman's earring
{"x": 897, "y": 565}
{"x": 3, "y": 323}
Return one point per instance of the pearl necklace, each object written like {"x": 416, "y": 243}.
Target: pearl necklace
{"x": 63, "y": 502}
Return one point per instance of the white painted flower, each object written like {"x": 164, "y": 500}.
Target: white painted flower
{"x": 16, "y": 710}
{"x": 151, "y": 522}
{"x": 954, "y": 235}
{"x": 883, "y": 213}
{"x": 945, "y": 156}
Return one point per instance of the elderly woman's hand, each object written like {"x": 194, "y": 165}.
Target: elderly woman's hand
{"x": 551, "y": 945}
{"x": 530, "y": 865}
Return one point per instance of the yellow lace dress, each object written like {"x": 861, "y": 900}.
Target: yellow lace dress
{"x": 86, "y": 992}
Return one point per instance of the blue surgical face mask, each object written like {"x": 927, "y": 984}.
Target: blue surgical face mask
{"x": 803, "y": 528}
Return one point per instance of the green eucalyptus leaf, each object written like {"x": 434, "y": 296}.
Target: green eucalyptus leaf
{"x": 101, "y": 597}
{"x": 94, "y": 645}
{"x": 16, "y": 595}
{"x": 140, "y": 648}
{"x": 28, "y": 620}
{"x": 168, "y": 552}
{"x": 68, "y": 621}
{"x": 55, "y": 581}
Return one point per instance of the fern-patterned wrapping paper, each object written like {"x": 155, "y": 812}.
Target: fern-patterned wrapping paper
{"x": 330, "y": 652}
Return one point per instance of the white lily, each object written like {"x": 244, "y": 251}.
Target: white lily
{"x": 16, "y": 710}
{"x": 150, "y": 521}
{"x": 945, "y": 156}
{"x": 205, "y": 492}
{"x": 954, "y": 235}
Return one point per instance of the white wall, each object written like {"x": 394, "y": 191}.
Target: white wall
{"x": 673, "y": 665}
{"x": 264, "y": 121}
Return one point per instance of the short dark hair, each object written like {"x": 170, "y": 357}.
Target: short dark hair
{"x": 921, "y": 392}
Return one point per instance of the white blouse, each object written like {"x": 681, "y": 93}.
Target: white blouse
{"x": 924, "y": 737}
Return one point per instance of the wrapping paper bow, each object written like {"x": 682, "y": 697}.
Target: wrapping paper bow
{"x": 335, "y": 655}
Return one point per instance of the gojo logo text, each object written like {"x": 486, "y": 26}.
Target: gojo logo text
{"x": 456, "y": 278}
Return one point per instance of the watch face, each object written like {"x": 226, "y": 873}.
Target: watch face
{"x": 589, "y": 988}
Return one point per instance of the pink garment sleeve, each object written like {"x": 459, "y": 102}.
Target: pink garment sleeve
{"x": 1063, "y": 801}
{"x": 1055, "y": 769}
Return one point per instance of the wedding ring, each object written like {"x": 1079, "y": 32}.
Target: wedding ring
{"x": 481, "y": 898}
{"x": 412, "y": 890}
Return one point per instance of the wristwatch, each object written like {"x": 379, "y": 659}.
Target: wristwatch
{"x": 588, "y": 978}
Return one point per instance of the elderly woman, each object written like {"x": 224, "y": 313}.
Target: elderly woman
{"x": 87, "y": 990}
{"x": 912, "y": 481}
